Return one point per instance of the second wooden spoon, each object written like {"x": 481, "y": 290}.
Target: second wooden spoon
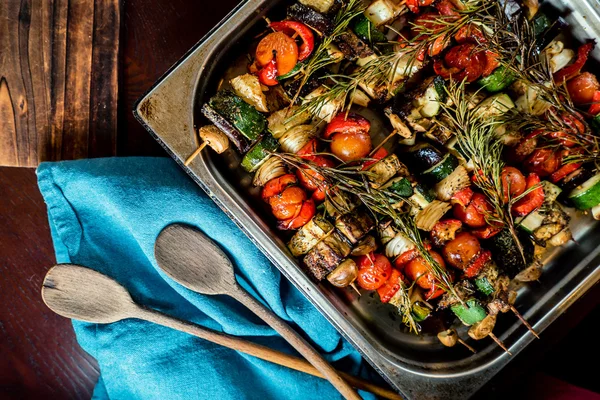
{"x": 193, "y": 260}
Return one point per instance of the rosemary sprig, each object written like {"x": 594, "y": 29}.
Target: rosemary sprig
{"x": 477, "y": 139}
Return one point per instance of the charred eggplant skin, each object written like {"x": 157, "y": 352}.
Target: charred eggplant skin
{"x": 227, "y": 127}
{"x": 310, "y": 17}
{"x": 422, "y": 157}
{"x": 506, "y": 254}
{"x": 242, "y": 115}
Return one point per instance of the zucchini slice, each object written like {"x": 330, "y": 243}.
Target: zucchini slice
{"x": 494, "y": 106}
{"x": 242, "y": 115}
{"x": 259, "y": 153}
{"x": 587, "y": 195}
{"x": 400, "y": 186}
{"x": 385, "y": 169}
{"x": 309, "y": 235}
{"x": 469, "y": 313}
{"x": 441, "y": 170}
{"x": 532, "y": 222}
{"x": 457, "y": 180}
{"x": 366, "y": 30}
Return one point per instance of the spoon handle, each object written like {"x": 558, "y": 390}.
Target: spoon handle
{"x": 301, "y": 345}
{"x": 253, "y": 349}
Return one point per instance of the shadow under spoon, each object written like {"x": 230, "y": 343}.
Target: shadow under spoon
{"x": 193, "y": 260}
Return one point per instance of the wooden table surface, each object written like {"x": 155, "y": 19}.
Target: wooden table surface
{"x": 39, "y": 357}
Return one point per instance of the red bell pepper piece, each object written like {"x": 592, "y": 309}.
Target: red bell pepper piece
{"x": 486, "y": 232}
{"x": 433, "y": 293}
{"x": 532, "y": 200}
{"x": 477, "y": 265}
{"x": 268, "y": 75}
{"x": 444, "y": 231}
{"x": 352, "y": 123}
{"x": 390, "y": 287}
{"x": 381, "y": 153}
{"x": 595, "y": 107}
{"x": 570, "y": 71}
{"x": 564, "y": 171}
{"x": 292, "y": 27}
{"x": 462, "y": 197}
{"x": 309, "y": 150}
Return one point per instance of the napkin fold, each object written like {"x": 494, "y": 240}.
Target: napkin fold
{"x": 106, "y": 214}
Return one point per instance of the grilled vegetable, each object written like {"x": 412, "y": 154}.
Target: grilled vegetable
{"x": 283, "y": 120}
{"x": 397, "y": 245}
{"x": 453, "y": 183}
{"x": 242, "y": 115}
{"x": 352, "y": 46}
{"x": 442, "y": 169}
{"x": 423, "y": 156}
{"x": 587, "y": 195}
{"x": 322, "y": 6}
{"x": 214, "y": 138}
{"x": 365, "y": 246}
{"x": 259, "y": 153}
{"x": 498, "y": 80}
{"x": 507, "y": 255}
{"x": 226, "y": 127}
{"x": 354, "y": 225}
{"x": 483, "y": 328}
{"x": 310, "y": 17}
{"x": 373, "y": 271}
{"x": 272, "y": 168}
{"x": 448, "y": 338}
{"x": 400, "y": 186}
{"x": 420, "y": 311}
{"x": 390, "y": 287}
{"x": 382, "y": 171}
{"x": 469, "y": 313}
{"x": 296, "y": 138}
{"x": 382, "y": 12}
{"x": 367, "y": 31}
{"x": 309, "y": 235}
{"x": 430, "y": 215}
{"x": 327, "y": 255}
{"x": 495, "y": 105}
{"x": 444, "y": 231}
{"x": 248, "y": 88}
{"x": 344, "y": 274}
{"x": 484, "y": 285}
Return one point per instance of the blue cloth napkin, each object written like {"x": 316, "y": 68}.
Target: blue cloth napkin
{"x": 106, "y": 214}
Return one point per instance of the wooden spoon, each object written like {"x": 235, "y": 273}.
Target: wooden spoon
{"x": 192, "y": 259}
{"x": 81, "y": 293}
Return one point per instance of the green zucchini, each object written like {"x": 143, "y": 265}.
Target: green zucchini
{"x": 484, "y": 286}
{"x": 401, "y": 187}
{"x": 494, "y": 106}
{"x": 440, "y": 87}
{"x": 441, "y": 170}
{"x": 420, "y": 311}
{"x": 242, "y": 115}
{"x": 367, "y": 31}
{"x": 587, "y": 195}
{"x": 498, "y": 80}
{"x": 596, "y": 123}
{"x": 531, "y": 222}
{"x": 425, "y": 191}
{"x": 541, "y": 23}
{"x": 469, "y": 313}
{"x": 506, "y": 253}
{"x": 297, "y": 68}
{"x": 259, "y": 153}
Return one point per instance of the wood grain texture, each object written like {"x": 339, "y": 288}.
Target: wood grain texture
{"x": 177, "y": 250}
{"x": 39, "y": 357}
{"x": 58, "y": 80}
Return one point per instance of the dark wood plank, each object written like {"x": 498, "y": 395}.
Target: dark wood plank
{"x": 58, "y": 79}
{"x": 39, "y": 356}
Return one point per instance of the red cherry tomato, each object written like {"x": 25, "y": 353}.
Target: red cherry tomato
{"x": 513, "y": 182}
{"x": 582, "y": 88}
{"x": 373, "y": 271}
{"x": 390, "y": 287}
{"x": 307, "y": 211}
{"x": 303, "y": 31}
{"x": 419, "y": 271}
{"x": 474, "y": 213}
{"x": 462, "y": 197}
{"x": 469, "y": 33}
{"x": 462, "y": 250}
{"x": 278, "y": 46}
{"x": 277, "y": 185}
{"x": 351, "y": 146}
{"x": 287, "y": 204}
{"x": 543, "y": 162}
{"x": 532, "y": 200}
{"x": 351, "y": 123}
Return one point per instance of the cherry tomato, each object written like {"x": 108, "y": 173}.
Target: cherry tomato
{"x": 447, "y": 8}
{"x": 307, "y": 152}
{"x": 307, "y": 211}
{"x": 278, "y": 46}
{"x": 543, "y": 162}
{"x": 460, "y": 251}
{"x": 469, "y": 33}
{"x": 513, "y": 182}
{"x": 474, "y": 213}
{"x": 461, "y": 62}
{"x": 287, "y": 204}
{"x": 351, "y": 123}
{"x": 390, "y": 287}
{"x": 462, "y": 197}
{"x": 419, "y": 271}
{"x": 293, "y": 27}
{"x": 311, "y": 179}
{"x": 351, "y": 146}
{"x": 532, "y": 200}
{"x": 277, "y": 185}
{"x": 582, "y": 88}
{"x": 373, "y": 271}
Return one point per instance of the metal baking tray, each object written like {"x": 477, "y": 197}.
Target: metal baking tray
{"x": 417, "y": 367}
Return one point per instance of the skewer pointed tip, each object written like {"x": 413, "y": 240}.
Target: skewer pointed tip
{"x": 499, "y": 343}
{"x": 523, "y": 320}
{"x": 467, "y": 345}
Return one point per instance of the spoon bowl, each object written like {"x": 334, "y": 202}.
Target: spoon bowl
{"x": 84, "y": 294}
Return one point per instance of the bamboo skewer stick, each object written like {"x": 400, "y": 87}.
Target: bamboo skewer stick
{"x": 195, "y": 154}
{"x": 466, "y": 345}
{"x": 523, "y": 320}
{"x": 499, "y": 343}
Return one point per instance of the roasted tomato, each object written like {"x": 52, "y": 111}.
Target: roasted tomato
{"x": 307, "y": 211}
{"x": 462, "y": 250}
{"x": 595, "y": 106}
{"x": 543, "y": 162}
{"x": 312, "y": 180}
{"x": 532, "y": 200}
{"x": 444, "y": 231}
{"x": 278, "y": 185}
{"x": 351, "y": 123}
{"x": 351, "y": 146}
{"x": 308, "y": 151}
{"x": 373, "y": 271}
{"x": 287, "y": 204}
{"x": 473, "y": 214}
{"x": 486, "y": 232}
{"x": 278, "y": 46}
{"x": 513, "y": 183}
{"x": 582, "y": 88}
{"x": 413, "y": 5}
{"x": 391, "y": 286}
{"x": 463, "y": 61}
{"x": 462, "y": 197}
{"x": 477, "y": 264}
{"x": 293, "y": 27}
{"x": 419, "y": 271}
{"x": 469, "y": 33}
